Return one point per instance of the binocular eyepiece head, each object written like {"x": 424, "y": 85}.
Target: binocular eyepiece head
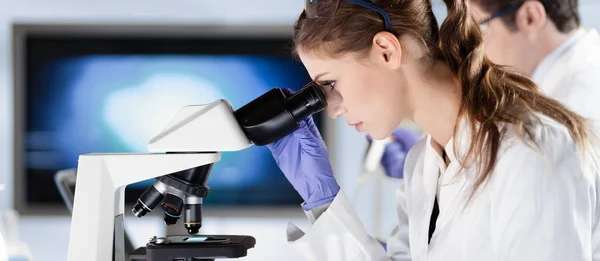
{"x": 274, "y": 115}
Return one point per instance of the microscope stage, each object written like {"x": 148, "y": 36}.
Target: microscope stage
{"x": 193, "y": 248}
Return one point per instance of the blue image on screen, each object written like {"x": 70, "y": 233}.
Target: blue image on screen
{"x": 117, "y": 103}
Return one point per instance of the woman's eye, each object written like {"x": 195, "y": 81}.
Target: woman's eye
{"x": 330, "y": 84}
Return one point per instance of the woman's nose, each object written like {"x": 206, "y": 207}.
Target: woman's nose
{"x": 334, "y": 104}
{"x": 335, "y": 110}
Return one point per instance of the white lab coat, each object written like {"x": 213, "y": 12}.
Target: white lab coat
{"x": 570, "y": 74}
{"x": 534, "y": 207}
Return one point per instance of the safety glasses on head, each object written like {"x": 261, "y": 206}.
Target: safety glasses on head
{"x": 328, "y": 8}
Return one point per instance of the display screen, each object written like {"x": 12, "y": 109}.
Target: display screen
{"x": 117, "y": 102}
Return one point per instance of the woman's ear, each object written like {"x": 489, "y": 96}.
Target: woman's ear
{"x": 387, "y": 50}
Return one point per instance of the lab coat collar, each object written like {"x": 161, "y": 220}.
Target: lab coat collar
{"x": 462, "y": 140}
{"x": 542, "y": 70}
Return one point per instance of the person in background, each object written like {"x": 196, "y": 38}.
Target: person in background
{"x": 544, "y": 40}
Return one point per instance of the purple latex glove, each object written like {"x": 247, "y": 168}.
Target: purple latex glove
{"x": 304, "y": 160}
{"x": 395, "y": 153}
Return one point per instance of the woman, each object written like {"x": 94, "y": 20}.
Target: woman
{"x": 505, "y": 173}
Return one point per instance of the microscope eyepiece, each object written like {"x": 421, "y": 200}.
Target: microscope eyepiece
{"x": 272, "y": 116}
{"x": 308, "y": 101}
{"x": 149, "y": 199}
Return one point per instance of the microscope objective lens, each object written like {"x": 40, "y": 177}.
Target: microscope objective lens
{"x": 147, "y": 201}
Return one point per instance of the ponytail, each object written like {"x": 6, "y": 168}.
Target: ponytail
{"x": 492, "y": 94}
{"x": 460, "y": 38}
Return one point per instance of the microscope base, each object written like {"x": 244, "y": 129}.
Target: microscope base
{"x": 193, "y": 248}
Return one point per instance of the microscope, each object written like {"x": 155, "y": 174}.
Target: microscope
{"x": 180, "y": 158}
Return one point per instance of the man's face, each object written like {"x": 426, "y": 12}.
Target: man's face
{"x": 503, "y": 45}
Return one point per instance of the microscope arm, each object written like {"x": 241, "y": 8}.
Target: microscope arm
{"x": 99, "y": 195}
{"x": 195, "y": 137}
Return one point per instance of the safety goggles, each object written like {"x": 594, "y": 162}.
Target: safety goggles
{"x": 328, "y": 8}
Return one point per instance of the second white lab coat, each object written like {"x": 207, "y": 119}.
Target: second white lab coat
{"x": 571, "y": 74}
{"x": 536, "y": 206}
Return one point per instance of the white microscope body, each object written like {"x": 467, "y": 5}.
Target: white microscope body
{"x": 195, "y": 137}
{"x": 191, "y": 142}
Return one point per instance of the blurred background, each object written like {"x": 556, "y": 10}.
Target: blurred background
{"x": 87, "y": 76}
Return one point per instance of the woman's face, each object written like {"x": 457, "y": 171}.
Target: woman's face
{"x": 369, "y": 93}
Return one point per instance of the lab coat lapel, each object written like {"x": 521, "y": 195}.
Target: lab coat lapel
{"x": 422, "y": 199}
{"x": 452, "y": 182}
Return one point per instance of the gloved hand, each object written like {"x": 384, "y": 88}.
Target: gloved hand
{"x": 304, "y": 160}
{"x": 395, "y": 153}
